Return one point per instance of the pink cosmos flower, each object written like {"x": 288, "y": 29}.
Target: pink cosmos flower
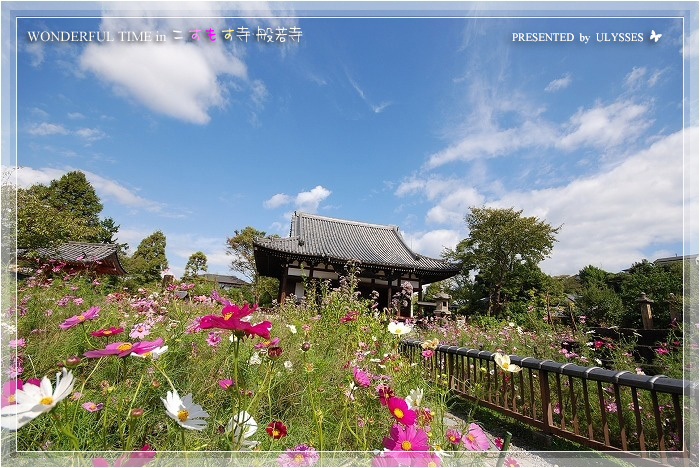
{"x": 122, "y": 349}
{"x": 91, "y": 314}
{"x": 453, "y": 436}
{"x": 510, "y": 461}
{"x": 410, "y": 438}
{"x": 140, "y": 331}
{"x": 111, "y": 331}
{"x": 557, "y": 409}
{"x": 498, "y": 442}
{"x": 139, "y": 458}
{"x": 226, "y": 384}
{"x": 78, "y": 300}
{"x": 399, "y": 410}
{"x": 301, "y": 455}
{"x": 230, "y": 319}
{"x": 213, "y": 339}
{"x": 475, "y": 439}
{"x": 21, "y": 343}
{"x": 267, "y": 343}
{"x": 362, "y": 379}
{"x": 10, "y": 387}
{"x": 92, "y": 407}
{"x": 428, "y": 353}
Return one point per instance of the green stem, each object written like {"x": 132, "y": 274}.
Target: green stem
{"x": 87, "y": 339}
{"x": 504, "y": 450}
{"x": 75, "y": 443}
{"x": 75, "y": 411}
{"x": 164, "y": 375}
{"x": 128, "y": 418}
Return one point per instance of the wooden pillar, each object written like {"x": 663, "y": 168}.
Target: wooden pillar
{"x": 645, "y": 307}
{"x": 283, "y": 286}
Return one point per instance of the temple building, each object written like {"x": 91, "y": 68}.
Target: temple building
{"x": 320, "y": 248}
{"x": 99, "y": 258}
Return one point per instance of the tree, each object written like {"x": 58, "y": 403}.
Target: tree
{"x": 74, "y": 194}
{"x": 501, "y": 242}
{"x": 196, "y": 263}
{"x": 240, "y": 247}
{"x": 658, "y": 282}
{"x": 149, "y": 260}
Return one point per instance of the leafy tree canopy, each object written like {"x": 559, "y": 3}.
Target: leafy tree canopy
{"x": 240, "y": 247}
{"x": 197, "y": 263}
{"x": 501, "y": 242}
{"x": 149, "y": 260}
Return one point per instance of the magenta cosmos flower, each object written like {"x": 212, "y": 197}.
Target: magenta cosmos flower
{"x": 301, "y": 455}
{"x": 267, "y": 343}
{"x": 453, "y": 436}
{"x": 399, "y": 410}
{"x": 91, "y": 407}
{"x": 411, "y": 438}
{"x": 475, "y": 439}
{"x": 362, "y": 378}
{"x": 385, "y": 393}
{"x": 91, "y": 314}
{"x": 122, "y": 349}
{"x": 111, "y": 331}
{"x": 230, "y": 319}
{"x": 139, "y": 458}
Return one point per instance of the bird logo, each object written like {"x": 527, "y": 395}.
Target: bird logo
{"x": 655, "y": 37}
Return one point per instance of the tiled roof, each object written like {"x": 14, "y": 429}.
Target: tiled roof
{"x": 340, "y": 240}
{"x": 227, "y": 279}
{"x": 81, "y": 253}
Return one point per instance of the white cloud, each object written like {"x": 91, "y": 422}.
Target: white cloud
{"x": 277, "y": 200}
{"x": 654, "y": 78}
{"x": 605, "y": 126}
{"x": 309, "y": 201}
{"x": 75, "y": 115}
{"x": 303, "y": 201}
{"x": 635, "y": 76}
{"x": 181, "y": 79}
{"x": 376, "y": 108}
{"x": 260, "y": 93}
{"x": 44, "y": 128}
{"x": 36, "y": 53}
{"x": 432, "y": 243}
{"x": 90, "y": 134}
{"x": 453, "y": 208}
{"x": 559, "y": 83}
{"x": 690, "y": 46}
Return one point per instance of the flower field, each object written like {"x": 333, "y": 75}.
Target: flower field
{"x": 94, "y": 368}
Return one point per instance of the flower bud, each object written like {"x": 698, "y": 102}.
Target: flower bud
{"x": 155, "y": 384}
{"x": 136, "y": 412}
{"x": 73, "y": 361}
{"x": 306, "y": 346}
{"x": 274, "y": 352}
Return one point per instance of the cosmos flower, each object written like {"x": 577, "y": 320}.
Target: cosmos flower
{"x": 410, "y": 438}
{"x": 475, "y": 439}
{"x": 414, "y": 398}
{"x": 503, "y": 361}
{"x": 153, "y": 354}
{"x": 122, "y": 349}
{"x": 397, "y": 328}
{"x": 138, "y": 458}
{"x": 453, "y": 436}
{"x": 92, "y": 407}
{"x": 140, "y": 331}
{"x": 400, "y": 411}
{"x": 301, "y": 455}
{"x": 385, "y": 394}
{"x": 90, "y": 314}
{"x": 510, "y": 461}
{"x": 230, "y": 319}
{"x": 111, "y": 331}
{"x": 33, "y": 400}
{"x": 186, "y": 413}
{"x": 276, "y": 430}
{"x": 361, "y": 378}
{"x": 243, "y": 426}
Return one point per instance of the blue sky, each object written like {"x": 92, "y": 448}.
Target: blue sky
{"x": 403, "y": 121}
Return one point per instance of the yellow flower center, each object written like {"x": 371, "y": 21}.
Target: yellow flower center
{"x": 471, "y": 438}
{"x": 93, "y": 407}
{"x": 81, "y": 318}
{"x": 107, "y": 332}
{"x": 182, "y": 415}
{"x": 398, "y": 413}
{"x": 46, "y": 400}
{"x": 124, "y": 347}
{"x": 227, "y": 316}
{"x": 405, "y": 445}
{"x": 11, "y": 399}
{"x": 148, "y": 354}
{"x": 453, "y": 439}
{"x": 298, "y": 458}
{"x": 504, "y": 366}
{"x": 432, "y": 463}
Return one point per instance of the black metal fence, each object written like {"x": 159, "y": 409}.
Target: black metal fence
{"x": 599, "y": 408}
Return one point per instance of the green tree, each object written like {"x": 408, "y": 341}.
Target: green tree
{"x": 240, "y": 247}
{"x": 601, "y": 305}
{"x": 658, "y": 282}
{"x": 500, "y": 243}
{"x": 149, "y": 260}
{"x": 197, "y": 263}
{"x": 73, "y": 193}
{"x": 593, "y": 276}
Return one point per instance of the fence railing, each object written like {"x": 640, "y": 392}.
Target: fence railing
{"x": 599, "y": 408}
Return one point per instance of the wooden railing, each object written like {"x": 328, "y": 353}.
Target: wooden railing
{"x": 599, "y": 408}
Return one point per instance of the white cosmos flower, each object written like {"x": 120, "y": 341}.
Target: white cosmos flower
{"x": 154, "y": 354}
{"x": 34, "y": 400}
{"x": 292, "y": 329}
{"x": 243, "y": 426}
{"x": 414, "y": 398}
{"x": 503, "y": 361}
{"x": 288, "y": 365}
{"x": 184, "y": 411}
{"x": 397, "y": 328}
{"x": 254, "y": 359}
